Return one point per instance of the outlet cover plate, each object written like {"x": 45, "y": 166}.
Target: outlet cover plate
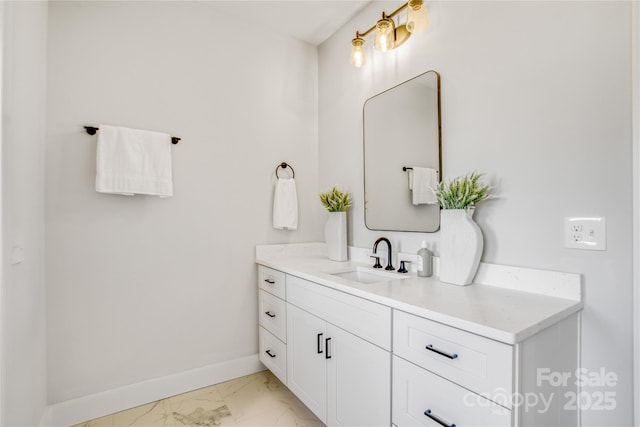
{"x": 585, "y": 233}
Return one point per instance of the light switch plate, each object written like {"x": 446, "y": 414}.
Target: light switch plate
{"x": 585, "y": 233}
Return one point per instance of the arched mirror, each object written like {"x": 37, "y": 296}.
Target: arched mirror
{"x": 402, "y": 132}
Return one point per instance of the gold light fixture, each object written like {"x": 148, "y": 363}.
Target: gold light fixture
{"x": 385, "y": 37}
{"x": 389, "y": 35}
{"x": 417, "y": 17}
{"x": 358, "y": 58}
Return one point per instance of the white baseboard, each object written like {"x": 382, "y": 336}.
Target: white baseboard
{"x": 96, "y": 405}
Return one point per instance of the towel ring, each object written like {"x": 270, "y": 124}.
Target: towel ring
{"x": 285, "y": 165}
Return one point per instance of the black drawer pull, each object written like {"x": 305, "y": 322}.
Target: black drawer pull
{"x": 319, "y": 343}
{"x": 269, "y": 353}
{"x": 268, "y": 313}
{"x": 437, "y": 419}
{"x": 430, "y": 347}
{"x": 326, "y": 344}
{"x": 269, "y": 281}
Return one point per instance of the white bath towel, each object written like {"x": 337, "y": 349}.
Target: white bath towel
{"x": 285, "y": 205}
{"x": 133, "y": 161}
{"x": 421, "y": 184}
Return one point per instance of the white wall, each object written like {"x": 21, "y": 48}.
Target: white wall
{"x": 142, "y": 287}
{"x": 23, "y": 345}
{"x": 537, "y": 96}
{"x": 636, "y": 201}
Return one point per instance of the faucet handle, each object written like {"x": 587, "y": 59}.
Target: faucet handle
{"x": 377, "y": 264}
{"x": 402, "y": 268}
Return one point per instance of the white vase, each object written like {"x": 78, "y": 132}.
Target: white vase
{"x": 335, "y": 233}
{"x": 461, "y": 245}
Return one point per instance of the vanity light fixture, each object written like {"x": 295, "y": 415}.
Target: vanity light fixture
{"x": 358, "y": 58}
{"x": 385, "y": 34}
{"x": 417, "y": 17}
{"x": 389, "y": 35}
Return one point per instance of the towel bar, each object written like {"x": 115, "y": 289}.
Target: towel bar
{"x": 91, "y": 130}
{"x": 285, "y": 165}
{"x": 406, "y": 168}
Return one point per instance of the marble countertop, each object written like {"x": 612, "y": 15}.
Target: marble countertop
{"x": 496, "y": 312}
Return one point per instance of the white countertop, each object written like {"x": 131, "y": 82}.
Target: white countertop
{"x": 495, "y": 312}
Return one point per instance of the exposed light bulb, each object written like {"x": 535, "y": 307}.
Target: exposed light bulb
{"x": 384, "y": 35}
{"x": 358, "y": 57}
{"x": 417, "y": 17}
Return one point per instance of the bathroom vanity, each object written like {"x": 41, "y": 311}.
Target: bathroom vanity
{"x": 366, "y": 347}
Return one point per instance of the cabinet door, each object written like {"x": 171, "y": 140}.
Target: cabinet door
{"x": 359, "y": 381}
{"x": 306, "y": 363}
{"x": 421, "y": 398}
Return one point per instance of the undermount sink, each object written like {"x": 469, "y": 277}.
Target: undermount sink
{"x": 367, "y": 275}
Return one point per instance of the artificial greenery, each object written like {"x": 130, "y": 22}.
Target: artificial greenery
{"x": 335, "y": 200}
{"x": 463, "y": 192}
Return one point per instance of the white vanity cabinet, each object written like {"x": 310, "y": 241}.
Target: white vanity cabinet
{"x": 331, "y": 349}
{"x": 381, "y": 361}
{"x": 437, "y": 371}
{"x": 423, "y": 398}
{"x": 344, "y": 379}
{"x": 446, "y": 376}
{"x": 272, "y": 317}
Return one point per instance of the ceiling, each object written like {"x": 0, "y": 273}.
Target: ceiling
{"x": 312, "y": 21}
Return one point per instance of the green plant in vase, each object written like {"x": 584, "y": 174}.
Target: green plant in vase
{"x": 463, "y": 192}
{"x": 335, "y": 200}
{"x": 461, "y": 240}
{"x": 337, "y": 203}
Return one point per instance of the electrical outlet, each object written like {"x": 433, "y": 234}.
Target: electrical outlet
{"x": 585, "y": 233}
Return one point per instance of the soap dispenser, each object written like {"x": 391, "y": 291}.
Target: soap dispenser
{"x": 425, "y": 261}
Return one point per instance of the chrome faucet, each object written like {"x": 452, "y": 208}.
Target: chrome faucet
{"x": 375, "y": 250}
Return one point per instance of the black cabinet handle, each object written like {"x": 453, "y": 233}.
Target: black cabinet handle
{"x": 269, "y": 353}
{"x": 269, "y": 281}
{"x": 319, "y": 343}
{"x": 451, "y": 356}
{"x": 326, "y": 345}
{"x": 437, "y": 419}
{"x": 268, "y": 313}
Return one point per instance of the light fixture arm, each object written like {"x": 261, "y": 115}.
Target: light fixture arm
{"x": 384, "y": 16}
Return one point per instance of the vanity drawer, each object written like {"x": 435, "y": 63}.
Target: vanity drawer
{"x": 474, "y": 362}
{"x": 416, "y": 390}
{"x": 273, "y": 314}
{"x": 273, "y": 354}
{"x": 368, "y": 320}
{"x": 272, "y": 281}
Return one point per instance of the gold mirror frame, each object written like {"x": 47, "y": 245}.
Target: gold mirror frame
{"x": 401, "y": 129}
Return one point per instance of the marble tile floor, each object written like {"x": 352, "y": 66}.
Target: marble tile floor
{"x": 257, "y": 400}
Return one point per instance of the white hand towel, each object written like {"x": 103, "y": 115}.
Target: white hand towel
{"x": 133, "y": 161}
{"x": 424, "y": 179}
{"x": 285, "y": 204}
